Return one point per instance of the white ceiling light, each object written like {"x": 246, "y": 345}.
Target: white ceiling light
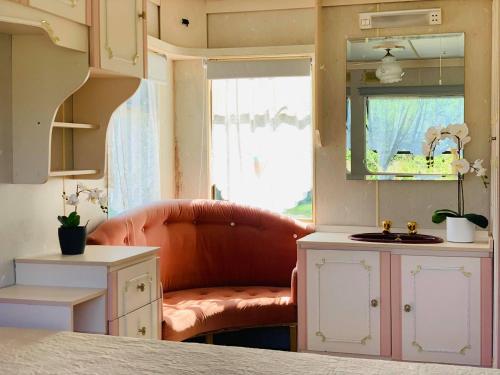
{"x": 390, "y": 70}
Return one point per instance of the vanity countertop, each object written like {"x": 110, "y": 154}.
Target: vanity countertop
{"x": 340, "y": 241}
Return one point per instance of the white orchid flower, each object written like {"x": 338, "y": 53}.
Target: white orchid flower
{"x": 73, "y": 200}
{"x": 94, "y": 195}
{"x": 477, "y": 167}
{"x": 433, "y": 133}
{"x": 461, "y": 166}
{"x": 459, "y": 131}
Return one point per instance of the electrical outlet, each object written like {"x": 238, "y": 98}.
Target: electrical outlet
{"x": 435, "y": 17}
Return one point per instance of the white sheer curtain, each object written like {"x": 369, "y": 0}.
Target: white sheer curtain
{"x": 133, "y": 163}
{"x": 262, "y": 141}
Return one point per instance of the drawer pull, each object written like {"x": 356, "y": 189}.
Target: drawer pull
{"x": 374, "y": 303}
{"x": 407, "y": 308}
{"x": 142, "y": 331}
{"x": 141, "y": 287}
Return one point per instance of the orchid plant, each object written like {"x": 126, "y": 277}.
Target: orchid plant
{"x": 459, "y": 134}
{"x": 95, "y": 196}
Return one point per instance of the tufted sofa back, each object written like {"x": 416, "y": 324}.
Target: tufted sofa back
{"x": 207, "y": 243}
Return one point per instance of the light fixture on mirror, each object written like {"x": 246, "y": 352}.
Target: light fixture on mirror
{"x": 390, "y": 70}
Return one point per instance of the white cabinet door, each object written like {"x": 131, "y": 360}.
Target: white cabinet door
{"x": 122, "y": 36}
{"x": 141, "y": 323}
{"x": 343, "y": 294}
{"x": 71, "y": 9}
{"x": 441, "y": 309}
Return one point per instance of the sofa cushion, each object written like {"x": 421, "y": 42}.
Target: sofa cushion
{"x": 191, "y": 312}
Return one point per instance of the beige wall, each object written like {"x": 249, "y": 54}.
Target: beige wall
{"x": 28, "y": 220}
{"x": 344, "y": 202}
{"x": 266, "y": 28}
{"x": 5, "y": 107}
{"x": 191, "y": 130}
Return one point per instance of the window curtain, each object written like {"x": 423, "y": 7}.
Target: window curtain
{"x": 134, "y": 167}
{"x": 262, "y": 141}
{"x": 399, "y": 123}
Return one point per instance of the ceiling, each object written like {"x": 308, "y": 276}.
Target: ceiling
{"x": 416, "y": 47}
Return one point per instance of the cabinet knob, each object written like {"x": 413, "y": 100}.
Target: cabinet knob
{"x": 407, "y": 308}
{"x": 141, "y": 287}
{"x": 142, "y": 15}
{"x": 374, "y": 302}
{"x": 142, "y": 331}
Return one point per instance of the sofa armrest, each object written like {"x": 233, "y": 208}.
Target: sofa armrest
{"x": 293, "y": 293}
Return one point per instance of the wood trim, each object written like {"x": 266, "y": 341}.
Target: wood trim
{"x": 397, "y": 329}
{"x": 486, "y": 312}
{"x": 302, "y": 299}
{"x": 112, "y": 295}
{"x": 145, "y": 39}
{"x": 94, "y": 35}
{"x": 88, "y": 12}
{"x": 495, "y": 173}
{"x": 232, "y": 6}
{"x": 385, "y": 304}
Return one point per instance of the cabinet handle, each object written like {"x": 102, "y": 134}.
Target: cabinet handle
{"x": 141, "y": 287}
{"x": 142, "y": 331}
{"x": 142, "y": 15}
{"x": 374, "y": 303}
{"x": 407, "y": 308}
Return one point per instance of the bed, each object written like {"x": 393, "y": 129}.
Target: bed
{"x": 46, "y": 352}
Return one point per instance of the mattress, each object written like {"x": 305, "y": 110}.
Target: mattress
{"x": 46, "y": 352}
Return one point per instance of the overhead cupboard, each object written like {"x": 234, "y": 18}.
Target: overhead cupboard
{"x": 428, "y": 303}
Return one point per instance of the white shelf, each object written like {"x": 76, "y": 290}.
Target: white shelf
{"x": 46, "y": 295}
{"x": 73, "y": 172}
{"x": 71, "y": 125}
{"x": 186, "y": 53}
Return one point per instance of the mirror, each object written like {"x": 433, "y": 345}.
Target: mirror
{"x": 397, "y": 88}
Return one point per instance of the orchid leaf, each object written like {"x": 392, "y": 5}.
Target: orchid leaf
{"x": 479, "y": 220}
{"x": 440, "y": 215}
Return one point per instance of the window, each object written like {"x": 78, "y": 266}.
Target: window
{"x": 395, "y": 129}
{"x": 134, "y": 171}
{"x": 261, "y": 143}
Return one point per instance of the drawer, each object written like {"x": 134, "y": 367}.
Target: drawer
{"x": 75, "y": 10}
{"x": 141, "y": 323}
{"x": 136, "y": 286}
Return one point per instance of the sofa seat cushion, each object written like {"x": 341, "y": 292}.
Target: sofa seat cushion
{"x": 187, "y": 313}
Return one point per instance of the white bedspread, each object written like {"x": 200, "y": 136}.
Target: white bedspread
{"x": 44, "y": 352}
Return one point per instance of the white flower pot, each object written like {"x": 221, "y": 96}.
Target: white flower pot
{"x": 459, "y": 229}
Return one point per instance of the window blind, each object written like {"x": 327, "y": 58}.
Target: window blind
{"x": 258, "y": 68}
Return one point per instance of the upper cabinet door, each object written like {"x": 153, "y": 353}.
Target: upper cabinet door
{"x": 75, "y": 10}
{"x": 121, "y": 36}
{"x": 343, "y": 301}
{"x": 441, "y": 309}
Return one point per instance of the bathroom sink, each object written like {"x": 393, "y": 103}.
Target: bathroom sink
{"x": 396, "y": 238}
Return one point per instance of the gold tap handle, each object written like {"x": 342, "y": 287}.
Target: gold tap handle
{"x": 386, "y": 224}
{"x": 412, "y": 227}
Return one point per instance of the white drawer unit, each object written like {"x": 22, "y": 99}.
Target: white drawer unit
{"x": 129, "y": 276}
{"x": 142, "y": 323}
{"x": 137, "y": 286}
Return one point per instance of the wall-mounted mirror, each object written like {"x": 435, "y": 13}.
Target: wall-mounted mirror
{"x": 398, "y": 87}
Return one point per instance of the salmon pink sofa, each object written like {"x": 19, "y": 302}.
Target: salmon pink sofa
{"x": 223, "y": 266}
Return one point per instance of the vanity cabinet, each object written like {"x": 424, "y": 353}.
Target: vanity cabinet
{"x": 118, "y": 36}
{"x": 427, "y": 303}
{"x": 343, "y": 289}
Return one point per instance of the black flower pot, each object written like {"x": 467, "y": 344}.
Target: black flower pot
{"x": 72, "y": 240}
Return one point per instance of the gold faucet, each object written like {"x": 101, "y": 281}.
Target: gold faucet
{"x": 412, "y": 227}
{"x": 386, "y": 224}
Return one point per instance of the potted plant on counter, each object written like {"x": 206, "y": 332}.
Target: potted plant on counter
{"x": 460, "y": 226}
{"x": 72, "y": 235}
